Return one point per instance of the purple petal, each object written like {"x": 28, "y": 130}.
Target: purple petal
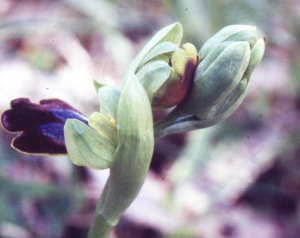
{"x": 41, "y": 125}
{"x": 35, "y": 142}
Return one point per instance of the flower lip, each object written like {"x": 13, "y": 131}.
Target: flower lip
{"x": 41, "y": 125}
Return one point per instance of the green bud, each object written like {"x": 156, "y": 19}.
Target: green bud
{"x": 167, "y": 74}
{"x": 235, "y": 53}
{"x": 229, "y": 104}
{"x": 218, "y": 79}
{"x": 228, "y": 33}
{"x": 171, "y": 33}
{"x": 153, "y": 75}
{"x": 220, "y": 82}
{"x": 163, "y": 48}
{"x": 165, "y": 71}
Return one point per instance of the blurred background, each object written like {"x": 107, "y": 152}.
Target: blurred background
{"x": 240, "y": 179}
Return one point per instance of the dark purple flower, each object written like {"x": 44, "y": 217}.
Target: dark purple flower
{"x": 41, "y": 125}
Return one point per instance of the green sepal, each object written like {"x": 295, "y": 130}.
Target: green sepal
{"x": 97, "y": 85}
{"x": 164, "y": 58}
{"x": 161, "y": 48}
{"x": 257, "y": 54}
{"x": 216, "y": 82}
{"x": 134, "y": 151}
{"x": 153, "y": 75}
{"x": 171, "y": 33}
{"x": 229, "y": 104}
{"x": 87, "y": 147}
{"x": 221, "y": 36}
{"x": 108, "y": 100}
{"x": 213, "y": 54}
{"x": 249, "y": 36}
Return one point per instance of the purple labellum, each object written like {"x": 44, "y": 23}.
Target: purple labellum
{"x": 41, "y": 125}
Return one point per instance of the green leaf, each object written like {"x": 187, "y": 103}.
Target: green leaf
{"x": 134, "y": 152}
{"x": 87, "y": 147}
{"x": 153, "y": 75}
{"x": 161, "y": 48}
{"x": 171, "y": 33}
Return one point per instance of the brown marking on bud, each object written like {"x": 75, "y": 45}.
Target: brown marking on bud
{"x": 177, "y": 91}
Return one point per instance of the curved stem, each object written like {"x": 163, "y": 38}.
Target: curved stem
{"x": 99, "y": 227}
{"x": 169, "y": 120}
{"x": 173, "y": 123}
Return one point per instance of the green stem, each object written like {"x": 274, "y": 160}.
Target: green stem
{"x": 100, "y": 228}
{"x": 161, "y": 125}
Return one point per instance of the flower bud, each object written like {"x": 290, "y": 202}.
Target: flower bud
{"x": 228, "y": 33}
{"x": 168, "y": 78}
{"x": 165, "y": 71}
{"x": 228, "y": 58}
{"x": 220, "y": 81}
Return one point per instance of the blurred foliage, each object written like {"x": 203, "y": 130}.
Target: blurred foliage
{"x": 51, "y": 201}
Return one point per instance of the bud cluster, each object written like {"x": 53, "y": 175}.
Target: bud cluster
{"x": 220, "y": 81}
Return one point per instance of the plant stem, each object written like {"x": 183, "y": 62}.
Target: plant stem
{"x": 99, "y": 227}
{"x": 162, "y": 124}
